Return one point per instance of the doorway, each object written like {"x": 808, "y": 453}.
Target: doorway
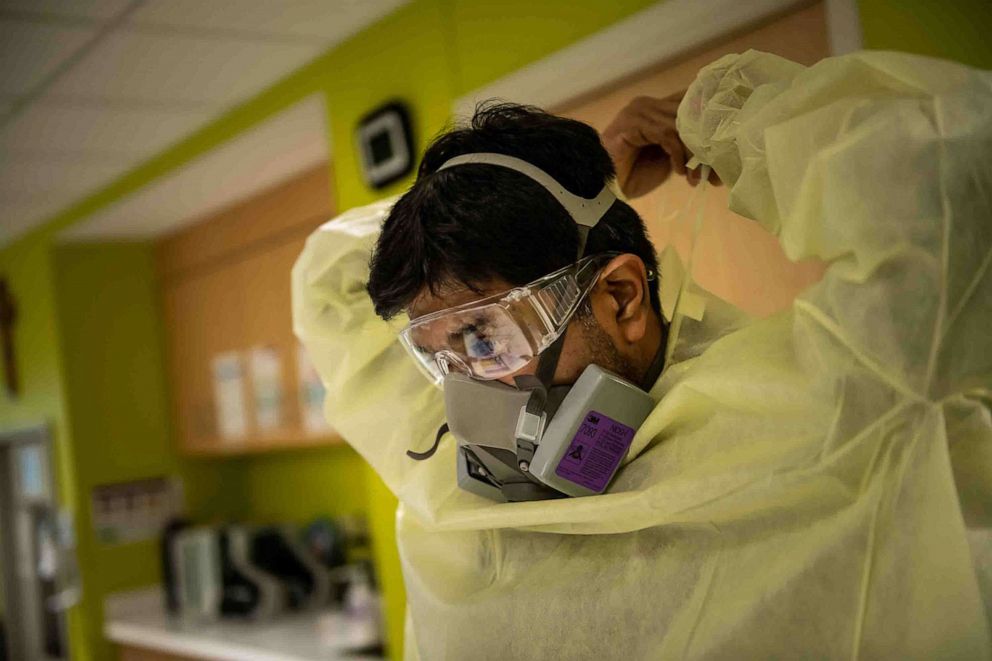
{"x": 32, "y": 625}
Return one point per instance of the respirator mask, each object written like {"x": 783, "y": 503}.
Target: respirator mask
{"x": 534, "y": 440}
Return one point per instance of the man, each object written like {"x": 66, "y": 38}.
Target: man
{"x": 814, "y": 484}
{"x": 470, "y": 232}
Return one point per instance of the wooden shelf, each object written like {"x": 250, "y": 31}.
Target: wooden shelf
{"x": 226, "y": 291}
{"x": 259, "y": 444}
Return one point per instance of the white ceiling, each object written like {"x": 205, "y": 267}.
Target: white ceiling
{"x": 272, "y": 152}
{"x": 90, "y": 89}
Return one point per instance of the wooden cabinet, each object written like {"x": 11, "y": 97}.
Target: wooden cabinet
{"x": 226, "y": 292}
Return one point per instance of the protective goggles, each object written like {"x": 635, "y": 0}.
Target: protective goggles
{"x": 498, "y": 335}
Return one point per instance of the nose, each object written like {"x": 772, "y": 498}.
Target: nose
{"x": 529, "y": 368}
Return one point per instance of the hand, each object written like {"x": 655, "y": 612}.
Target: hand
{"x": 645, "y": 147}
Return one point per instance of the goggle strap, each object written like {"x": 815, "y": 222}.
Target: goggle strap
{"x": 583, "y": 237}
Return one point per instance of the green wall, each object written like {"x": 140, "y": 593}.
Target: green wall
{"x": 298, "y": 485}
{"x": 113, "y": 396}
{"x": 80, "y": 306}
{"x": 113, "y": 375}
{"x": 3, "y": 602}
{"x": 27, "y": 266}
{"x": 493, "y": 39}
{"x": 955, "y": 30}
{"x": 107, "y": 300}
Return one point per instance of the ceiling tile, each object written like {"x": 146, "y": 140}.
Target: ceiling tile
{"x": 64, "y": 130}
{"x": 32, "y": 51}
{"x": 90, "y": 9}
{"x": 330, "y": 20}
{"x": 272, "y": 152}
{"x": 174, "y": 68}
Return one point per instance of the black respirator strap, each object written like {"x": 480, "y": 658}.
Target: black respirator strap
{"x": 547, "y": 363}
{"x": 421, "y": 456}
{"x": 536, "y": 407}
{"x": 654, "y": 370}
{"x": 539, "y": 392}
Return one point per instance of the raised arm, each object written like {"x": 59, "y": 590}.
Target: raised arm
{"x": 880, "y": 163}
{"x": 376, "y": 398}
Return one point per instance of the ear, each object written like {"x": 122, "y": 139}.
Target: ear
{"x": 623, "y": 291}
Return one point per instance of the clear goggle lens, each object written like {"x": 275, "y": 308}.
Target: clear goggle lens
{"x": 498, "y": 336}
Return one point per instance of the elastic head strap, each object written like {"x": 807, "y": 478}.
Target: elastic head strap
{"x": 584, "y": 211}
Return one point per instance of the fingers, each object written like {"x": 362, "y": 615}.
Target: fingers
{"x": 669, "y": 141}
{"x": 661, "y": 114}
{"x": 695, "y": 176}
{"x": 644, "y": 125}
{"x": 640, "y": 128}
{"x": 652, "y": 122}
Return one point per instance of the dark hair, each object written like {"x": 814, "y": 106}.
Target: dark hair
{"x": 474, "y": 223}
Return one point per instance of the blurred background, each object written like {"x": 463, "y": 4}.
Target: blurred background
{"x": 168, "y": 488}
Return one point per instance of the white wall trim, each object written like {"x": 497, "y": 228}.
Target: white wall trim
{"x": 660, "y": 32}
{"x": 844, "y": 26}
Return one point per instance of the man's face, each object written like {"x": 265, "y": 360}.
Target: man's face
{"x": 595, "y": 335}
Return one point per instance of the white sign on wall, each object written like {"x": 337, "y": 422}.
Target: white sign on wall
{"x": 229, "y": 395}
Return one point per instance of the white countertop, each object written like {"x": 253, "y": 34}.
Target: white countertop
{"x": 139, "y": 619}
